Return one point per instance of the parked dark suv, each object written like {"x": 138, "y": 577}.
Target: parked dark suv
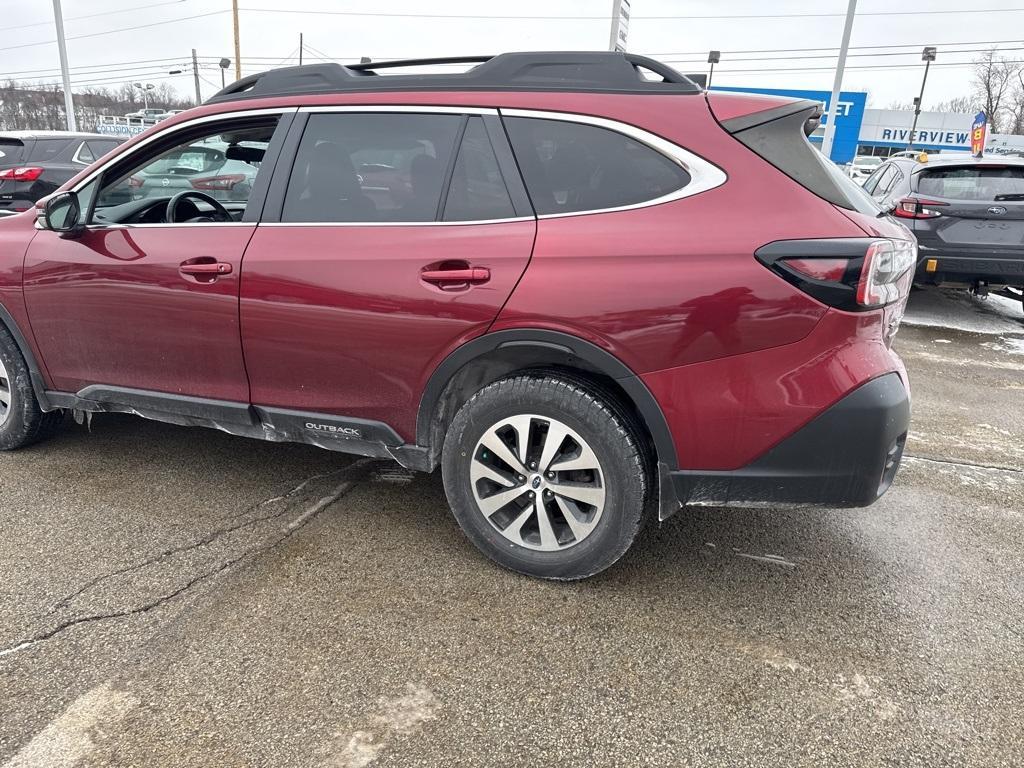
{"x": 583, "y": 287}
{"x": 35, "y": 163}
{"x": 966, "y": 212}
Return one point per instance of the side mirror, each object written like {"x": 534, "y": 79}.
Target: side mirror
{"x": 62, "y": 214}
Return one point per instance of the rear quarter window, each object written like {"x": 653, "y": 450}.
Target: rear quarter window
{"x": 571, "y": 167}
{"x": 973, "y": 183}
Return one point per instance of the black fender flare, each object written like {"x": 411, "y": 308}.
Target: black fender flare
{"x": 549, "y": 341}
{"x": 34, "y": 371}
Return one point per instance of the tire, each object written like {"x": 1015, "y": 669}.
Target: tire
{"x": 595, "y": 458}
{"x": 22, "y": 421}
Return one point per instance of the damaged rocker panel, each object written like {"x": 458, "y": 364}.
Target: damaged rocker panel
{"x": 360, "y": 437}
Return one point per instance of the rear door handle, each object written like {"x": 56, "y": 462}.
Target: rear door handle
{"x": 467, "y": 275}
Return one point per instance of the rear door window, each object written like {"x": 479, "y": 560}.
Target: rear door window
{"x": 991, "y": 183}
{"x": 46, "y": 150}
{"x": 477, "y": 191}
{"x": 571, "y": 167}
{"x": 371, "y": 167}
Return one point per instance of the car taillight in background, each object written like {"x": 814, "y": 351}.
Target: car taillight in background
{"x": 917, "y": 208}
{"x": 224, "y": 182}
{"x": 30, "y": 173}
{"x": 854, "y": 274}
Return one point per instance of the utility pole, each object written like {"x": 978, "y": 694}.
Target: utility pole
{"x": 927, "y": 56}
{"x": 833, "y": 103}
{"x": 195, "y": 77}
{"x": 238, "y": 44}
{"x": 713, "y": 58}
{"x": 300, "y": 49}
{"x": 69, "y": 104}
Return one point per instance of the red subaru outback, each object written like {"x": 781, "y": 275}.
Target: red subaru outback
{"x": 582, "y": 286}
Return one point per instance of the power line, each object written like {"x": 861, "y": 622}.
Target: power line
{"x": 634, "y": 17}
{"x": 116, "y": 31}
{"x": 93, "y": 15}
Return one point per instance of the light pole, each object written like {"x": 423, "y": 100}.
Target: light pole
{"x": 713, "y": 58}
{"x": 927, "y": 56}
{"x": 145, "y": 92}
{"x": 224, "y": 64}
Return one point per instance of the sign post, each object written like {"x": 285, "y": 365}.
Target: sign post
{"x": 978, "y": 131}
{"x": 620, "y": 26}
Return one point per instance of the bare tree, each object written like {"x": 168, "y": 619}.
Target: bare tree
{"x": 1015, "y": 109}
{"x": 956, "y": 104}
{"x": 994, "y": 76}
{"x": 900, "y": 105}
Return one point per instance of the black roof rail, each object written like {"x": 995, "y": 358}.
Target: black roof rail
{"x": 600, "y": 71}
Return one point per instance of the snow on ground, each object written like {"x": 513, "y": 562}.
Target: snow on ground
{"x": 962, "y": 311}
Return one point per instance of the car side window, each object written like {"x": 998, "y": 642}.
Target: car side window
{"x": 47, "y": 149}
{"x": 872, "y": 181}
{"x": 570, "y": 167}
{"x": 371, "y": 167}
{"x": 885, "y": 176}
{"x": 84, "y": 154}
{"x": 220, "y": 164}
{"x": 890, "y": 181}
{"x": 477, "y": 191}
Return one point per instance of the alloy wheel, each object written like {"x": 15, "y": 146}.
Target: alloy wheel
{"x": 5, "y": 393}
{"x": 538, "y": 482}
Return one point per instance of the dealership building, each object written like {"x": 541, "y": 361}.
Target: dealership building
{"x": 863, "y": 131}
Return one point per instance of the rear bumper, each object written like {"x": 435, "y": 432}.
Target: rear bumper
{"x": 846, "y": 457}
{"x": 942, "y": 265}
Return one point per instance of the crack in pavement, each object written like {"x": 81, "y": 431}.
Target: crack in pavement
{"x": 951, "y": 462}
{"x": 353, "y": 474}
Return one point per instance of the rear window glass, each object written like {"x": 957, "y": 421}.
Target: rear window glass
{"x": 570, "y": 167}
{"x": 973, "y": 183}
{"x": 10, "y": 151}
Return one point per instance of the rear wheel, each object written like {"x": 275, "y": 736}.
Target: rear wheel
{"x": 544, "y": 477}
{"x": 22, "y": 421}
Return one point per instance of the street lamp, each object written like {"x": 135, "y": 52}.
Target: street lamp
{"x": 713, "y": 58}
{"x": 927, "y": 56}
{"x": 224, "y": 64}
{"x": 145, "y": 92}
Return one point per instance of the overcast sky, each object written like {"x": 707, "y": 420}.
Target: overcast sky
{"x": 103, "y": 51}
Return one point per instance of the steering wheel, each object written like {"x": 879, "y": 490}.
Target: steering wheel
{"x": 220, "y": 213}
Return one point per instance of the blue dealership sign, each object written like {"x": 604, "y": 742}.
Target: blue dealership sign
{"x": 849, "y": 115}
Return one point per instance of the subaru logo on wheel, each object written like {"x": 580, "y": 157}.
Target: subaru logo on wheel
{"x": 997, "y": 210}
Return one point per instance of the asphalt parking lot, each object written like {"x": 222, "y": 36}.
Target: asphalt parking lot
{"x": 176, "y": 597}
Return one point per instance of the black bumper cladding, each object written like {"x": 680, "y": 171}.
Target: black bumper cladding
{"x": 967, "y": 269}
{"x": 846, "y": 457}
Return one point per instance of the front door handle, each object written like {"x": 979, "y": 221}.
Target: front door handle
{"x": 207, "y": 269}
{"x": 465, "y": 275}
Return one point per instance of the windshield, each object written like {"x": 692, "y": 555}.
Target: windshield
{"x": 984, "y": 183}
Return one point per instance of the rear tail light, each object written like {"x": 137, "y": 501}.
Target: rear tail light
{"x": 915, "y": 208}
{"x": 854, "y": 274}
{"x": 225, "y": 182}
{"x": 887, "y": 272}
{"x": 21, "y": 174}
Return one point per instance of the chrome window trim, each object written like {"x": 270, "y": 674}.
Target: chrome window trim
{"x": 393, "y": 223}
{"x": 181, "y": 127}
{"x": 77, "y": 159}
{"x": 418, "y": 108}
{"x": 167, "y": 225}
{"x": 704, "y": 175}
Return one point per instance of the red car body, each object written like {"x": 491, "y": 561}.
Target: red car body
{"x": 723, "y": 359}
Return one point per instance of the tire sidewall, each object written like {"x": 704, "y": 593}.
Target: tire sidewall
{"x": 622, "y": 473}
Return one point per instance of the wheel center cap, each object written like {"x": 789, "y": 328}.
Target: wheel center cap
{"x": 535, "y": 482}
